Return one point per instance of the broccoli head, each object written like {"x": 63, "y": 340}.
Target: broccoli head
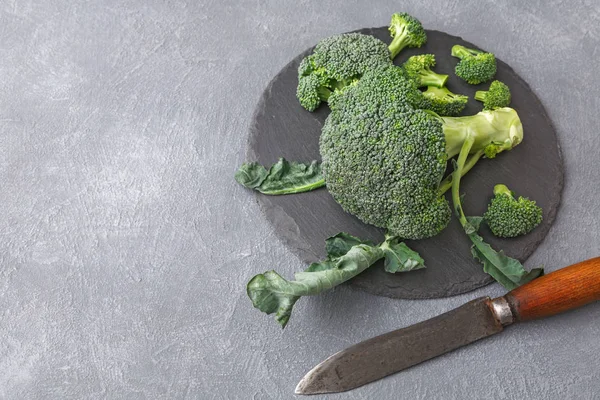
{"x": 336, "y": 62}
{"x": 508, "y": 216}
{"x": 419, "y": 68}
{"x": 443, "y": 102}
{"x": 498, "y": 95}
{"x": 384, "y": 159}
{"x": 406, "y": 31}
{"x": 474, "y": 66}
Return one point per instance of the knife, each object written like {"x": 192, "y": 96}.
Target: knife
{"x": 373, "y": 359}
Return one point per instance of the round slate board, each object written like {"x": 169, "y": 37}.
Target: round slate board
{"x": 282, "y": 128}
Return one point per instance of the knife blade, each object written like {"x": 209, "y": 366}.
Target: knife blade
{"x": 375, "y": 358}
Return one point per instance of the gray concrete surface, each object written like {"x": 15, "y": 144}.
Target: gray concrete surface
{"x": 125, "y": 244}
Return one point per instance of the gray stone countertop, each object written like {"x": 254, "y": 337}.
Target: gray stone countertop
{"x": 126, "y": 245}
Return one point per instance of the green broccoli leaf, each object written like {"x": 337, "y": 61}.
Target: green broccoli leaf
{"x": 508, "y": 271}
{"x": 340, "y": 244}
{"x": 399, "y": 257}
{"x": 283, "y": 177}
{"x": 271, "y": 293}
{"x": 251, "y": 175}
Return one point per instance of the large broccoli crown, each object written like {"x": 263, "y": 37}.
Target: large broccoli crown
{"x": 335, "y": 62}
{"x": 419, "y": 68}
{"x": 498, "y": 95}
{"x": 406, "y": 31}
{"x": 383, "y": 160}
{"x": 508, "y": 216}
{"x": 474, "y": 66}
{"x": 444, "y": 102}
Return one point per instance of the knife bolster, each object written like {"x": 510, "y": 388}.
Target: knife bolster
{"x": 501, "y": 310}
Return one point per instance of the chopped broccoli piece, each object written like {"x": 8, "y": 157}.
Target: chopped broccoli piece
{"x": 508, "y": 216}
{"x": 444, "y": 102}
{"x": 498, "y": 95}
{"x": 384, "y": 159}
{"x": 419, "y": 68}
{"x": 474, "y": 66}
{"x": 338, "y": 61}
{"x": 406, "y": 31}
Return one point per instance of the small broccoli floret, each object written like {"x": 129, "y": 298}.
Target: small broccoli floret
{"x": 444, "y": 102}
{"x": 338, "y": 61}
{"x": 419, "y": 68}
{"x": 508, "y": 216}
{"x": 406, "y": 31}
{"x": 474, "y": 66}
{"x": 498, "y": 95}
{"x": 384, "y": 160}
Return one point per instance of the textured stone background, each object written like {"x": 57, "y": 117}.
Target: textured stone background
{"x": 125, "y": 244}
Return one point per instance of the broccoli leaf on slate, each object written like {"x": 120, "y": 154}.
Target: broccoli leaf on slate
{"x": 251, "y": 175}
{"x": 283, "y": 177}
{"x": 338, "y": 245}
{"x": 399, "y": 257}
{"x": 508, "y": 271}
{"x": 347, "y": 256}
{"x": 271, "y": 293}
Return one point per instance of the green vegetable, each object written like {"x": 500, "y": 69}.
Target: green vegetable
{"x": 406, "y": 31}
{"x": 338, "y": 61}
{"x": 384, "y": 159}
{"x": 347, "y": 256}
{"x": 419, "y": 68}
{"x": 507, "y": 271}
{"x": 399, "y": 257}
{"x": 282, "y": 177}
{"x": 497, "y": 96}
{"x": 444, "y": 102}
{"x": 508, "y": 216}
{"x": 474, "y": 66}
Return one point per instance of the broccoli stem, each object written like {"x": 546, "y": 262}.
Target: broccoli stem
{"x": 430, "y": 78}
{"x": 469, "y": 164}
{"x": 399, "y": 42}
{"x": 480, "y": 95}
{"x": 324, "y": 93}
{"x": 460, "y": 163}
{"x": 501, "y": 127}
{"x": 490, "y": 131}
{"x": 502, "y": 189}
{"x": 462, "y": 52}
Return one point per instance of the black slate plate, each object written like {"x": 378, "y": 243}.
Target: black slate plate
{"x": 282, "y": 128}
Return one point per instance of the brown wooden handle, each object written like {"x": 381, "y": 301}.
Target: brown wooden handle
{"x": 559, "y": 291}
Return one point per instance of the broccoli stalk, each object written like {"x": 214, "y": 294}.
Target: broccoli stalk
{"x": 507, "y": 271}
{"x": 464, "y": 52}
{"x": 406, "y": 31}
{"x": 491, "y": 131}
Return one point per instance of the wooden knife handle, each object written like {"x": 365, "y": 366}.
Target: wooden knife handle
{"x": 559, "y": 291}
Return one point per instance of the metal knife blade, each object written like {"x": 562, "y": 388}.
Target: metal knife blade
{"x": 397, "y": 350}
